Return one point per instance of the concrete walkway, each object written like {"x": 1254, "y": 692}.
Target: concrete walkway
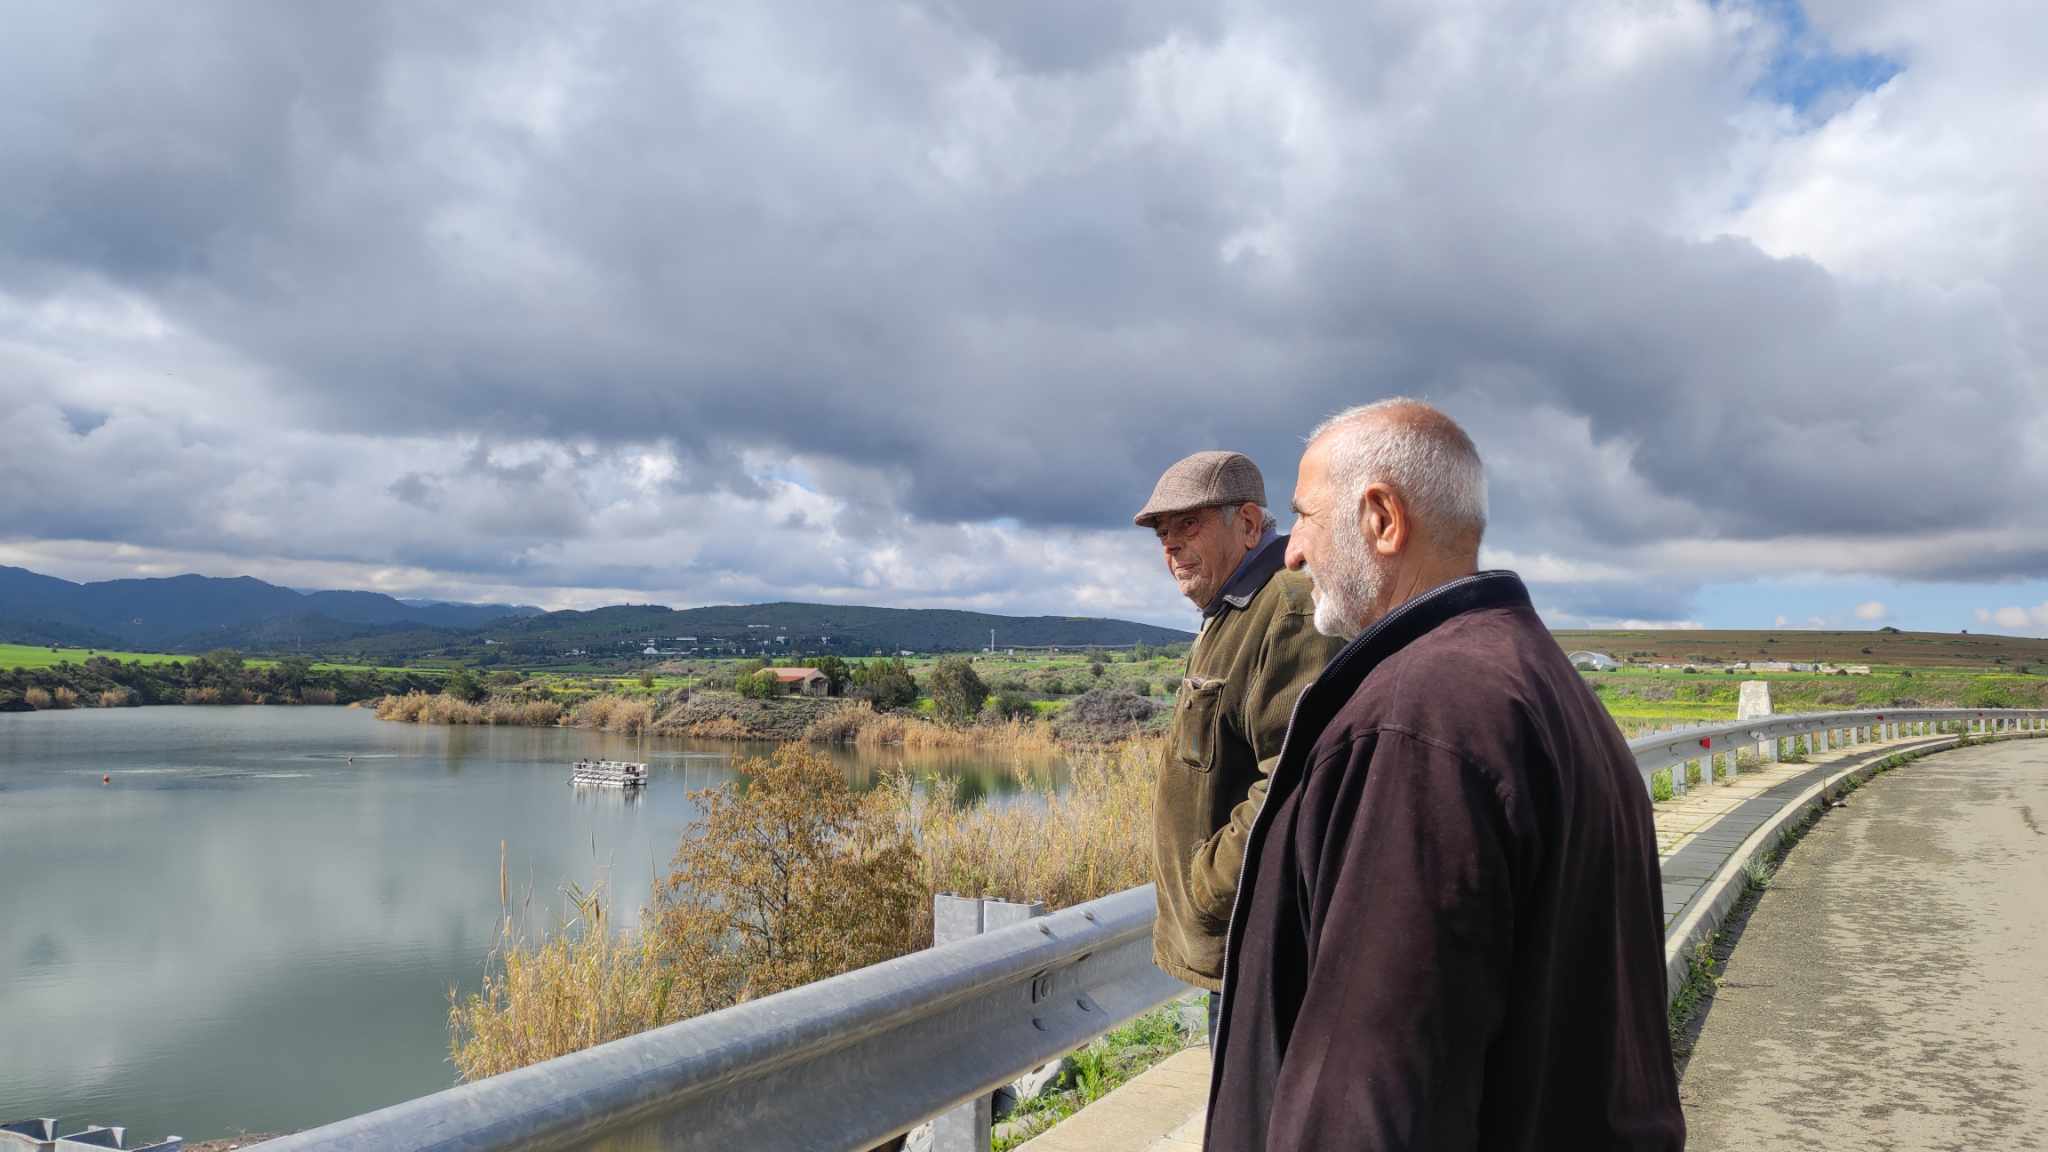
{"x": 1890, "y": 988}
{"x": 1696, "y": 835}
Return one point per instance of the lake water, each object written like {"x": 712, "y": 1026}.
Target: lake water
{"x": 247, "y": 930}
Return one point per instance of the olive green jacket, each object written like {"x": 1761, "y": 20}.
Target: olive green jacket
{"x": 1257, "y": 650}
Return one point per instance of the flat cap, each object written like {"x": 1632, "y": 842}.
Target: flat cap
{"x": 1204, "y": 480}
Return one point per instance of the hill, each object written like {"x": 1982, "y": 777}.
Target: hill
{"x": 192, "y": 613}
{"x": 753, "y": 629}
{"x": 197, "y": 613}
{"x": 1878, "y": 647}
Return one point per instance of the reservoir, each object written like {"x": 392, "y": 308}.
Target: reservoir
{"x": 254, "y": 924}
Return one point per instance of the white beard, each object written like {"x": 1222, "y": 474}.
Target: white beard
{"x": 1348, "y": 589}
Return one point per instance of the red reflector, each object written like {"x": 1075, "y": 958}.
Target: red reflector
{"x": 1706, "y": 741}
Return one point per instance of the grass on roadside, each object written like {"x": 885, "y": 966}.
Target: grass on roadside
{"x": 1095, "y": 1071}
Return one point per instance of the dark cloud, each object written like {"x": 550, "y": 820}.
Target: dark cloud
{"x": 954, "y": 262}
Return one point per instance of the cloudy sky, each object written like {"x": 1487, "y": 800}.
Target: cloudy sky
{"x": 908, "y": 303}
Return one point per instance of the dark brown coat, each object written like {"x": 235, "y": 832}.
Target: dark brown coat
{"x": 1451, "y": 931}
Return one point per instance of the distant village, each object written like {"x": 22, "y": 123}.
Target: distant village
{"x": 1586, "y": 661}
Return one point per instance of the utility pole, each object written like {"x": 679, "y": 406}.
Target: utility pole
{"x": 991, "y": 641}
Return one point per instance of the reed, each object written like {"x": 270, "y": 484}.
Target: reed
{"x": 1067, "y": 847}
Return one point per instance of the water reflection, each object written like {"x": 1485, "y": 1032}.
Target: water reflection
{"x": 255, "y": 925}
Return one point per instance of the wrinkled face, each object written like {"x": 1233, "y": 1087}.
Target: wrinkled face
{"x": 1346, "y": 577}
{"x": 1202, "y": 550}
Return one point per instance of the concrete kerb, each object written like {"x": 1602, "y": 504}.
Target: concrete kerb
{"x": 1710, "y": 908}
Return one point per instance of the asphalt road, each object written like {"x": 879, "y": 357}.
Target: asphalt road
{"x": 1890, "y": 988}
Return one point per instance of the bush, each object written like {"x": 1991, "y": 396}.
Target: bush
{"x": 792, "y": 880}
{"x": 957, "y": 690}
{"x": 1008, "y": 705}
{"x": 1106, "y": 712}
{"x": 462, "y": 685}
{"x": 760, "y": 685}
{"x": 885, "y": 683}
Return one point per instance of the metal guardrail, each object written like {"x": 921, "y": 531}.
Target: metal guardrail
{"x": 1822, "y": 730}
{"x": 845, "y": 1063}
{"x": 850, "y": 1062}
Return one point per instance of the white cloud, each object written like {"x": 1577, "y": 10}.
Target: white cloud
{"x": 1871, "y": 610}
{"x": 2014, "y": 618}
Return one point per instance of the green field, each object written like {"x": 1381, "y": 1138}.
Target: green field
{"x": 37, "y": 656}
{"x": 40, "y": 656}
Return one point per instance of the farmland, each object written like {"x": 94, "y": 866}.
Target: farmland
{"x": 1888, "y": 647}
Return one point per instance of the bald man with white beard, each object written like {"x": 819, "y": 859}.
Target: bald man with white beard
{"x": 1449, "y": 934}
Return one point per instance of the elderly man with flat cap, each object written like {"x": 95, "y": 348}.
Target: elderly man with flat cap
{"x": 1257, "y": 649}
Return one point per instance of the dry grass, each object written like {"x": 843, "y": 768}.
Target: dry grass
{"x": 608, "y": 713}
{"x": 429, "y": 708}
{"x": 577, "y": 987}
{"x": 626, "y": 714}
{"x": 857, "y": 723}
{"x": 39, "y": 699}
{"x": 1065, "y": 848}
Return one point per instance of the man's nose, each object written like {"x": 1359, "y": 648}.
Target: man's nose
{"x": 1295, "y": 557}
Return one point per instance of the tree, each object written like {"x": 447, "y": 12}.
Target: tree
{"x": 957, "y": 690}
{"x": 646, "y": 679}
{"x": 885, "y": 683}
{"x": 1095, "y": 668}
{"x": 837, "y": 674}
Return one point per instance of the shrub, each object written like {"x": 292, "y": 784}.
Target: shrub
{"x": 117, "y": 698}
{"x": 957, "y": 690}
{"x": 1008, "y": 705}
{"x": 792, "y": 880}
{"x": 1105, "y": 712}
{"x": 887, "y": 683}
{"x": 760, "y": 685}
{"x": 39, "y": 698}
{"x": 462, "y": 685}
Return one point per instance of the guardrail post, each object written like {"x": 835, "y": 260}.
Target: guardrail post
{"x": 955, "y": 918}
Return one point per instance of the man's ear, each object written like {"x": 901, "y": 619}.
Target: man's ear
{"x": 1247, "y": 516}
{"x": 1383, "y": 519}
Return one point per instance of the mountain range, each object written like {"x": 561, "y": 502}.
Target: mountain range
{"x": 197, "y": 613}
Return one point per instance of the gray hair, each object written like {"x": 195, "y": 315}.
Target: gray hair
{"x": 1266, "y": 520}
{"x": 1420, "y": 452}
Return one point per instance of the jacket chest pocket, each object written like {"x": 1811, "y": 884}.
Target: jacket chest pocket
{"x": 1197, "y": 721}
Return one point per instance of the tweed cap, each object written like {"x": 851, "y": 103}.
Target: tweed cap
{"x": 1204, "y": 480}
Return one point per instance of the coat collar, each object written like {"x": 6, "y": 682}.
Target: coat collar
{"x": 1414, "y": 619}
{"x": 1252, "y": 573}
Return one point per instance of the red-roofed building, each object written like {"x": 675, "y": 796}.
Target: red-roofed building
{"x": 805, "y": 681}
